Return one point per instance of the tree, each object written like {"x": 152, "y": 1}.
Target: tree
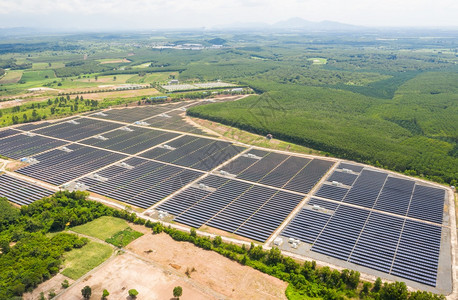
{"x": 133, "y": 293}
{"x": 86, "y": 292}
{"x": 193, "y": 232}
{"x": 105, "y": 294}
{"x": 394, "y": 291}
{"x": 65, "y": 284}
{"x": 177, "y": 292}
{"x": 377, "y": 285}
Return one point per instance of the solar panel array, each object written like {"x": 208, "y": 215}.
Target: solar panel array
{"x": 366, "y": 234}
{"x": 139, "y": 182}
{"x": 59, "y": 166}
{"x": 77, "y": 129}
{"x": 21, "y": 145}
{"x": 174, "y": 121}
{"x": 194, "y": 152}
{"x": 21, "y": 192}
{"x": 130, "y": 115}
{"x": 130, "y": 140}
{"x": 238, "y": 207}
{"x": 8, "y": 132}
{"x": 282, "y": 171}
{"x": 394, "y": 245}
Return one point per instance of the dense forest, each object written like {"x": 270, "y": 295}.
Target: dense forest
{"x": 29, "y": 255}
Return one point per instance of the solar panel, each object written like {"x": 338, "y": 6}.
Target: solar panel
{"x": 21, "y": 145}
{"x": 395, "y": 196}
{"x": 417, "y": 257}
{"x": 130, "y": 140}
{"x": 332, "y": 192}
{"x": 306, "y": 225}
{"x": 21, "y": 192}
{"x": 77, "y": 129}
{"x": 60, "y": 166}
{"x": 366, "y": 188}
{"x": 345, "y": 178}
{"x": 198, "y": 153}
{"x": 8, "y": 132}
{"x": 306, "y": 179}
{"x": 427, "y": 204}
{"x": 142, "y": 184}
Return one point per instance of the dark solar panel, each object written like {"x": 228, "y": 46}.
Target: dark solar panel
{"x": 427, "y": 204}
{"x": 331, "y": 192}
{"x": 21, "y": 192}
{"x": 366, "y": 188}
{"x": 21, "y": 145}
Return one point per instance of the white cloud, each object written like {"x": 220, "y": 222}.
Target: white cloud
{"x": 183, "y": 13}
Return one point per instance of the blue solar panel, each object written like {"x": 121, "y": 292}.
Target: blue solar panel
{"x": 366, "y": 188}
{"x": 332, "y": 192}
{"x": 427, "y": 204}
{"x": 306, "y": 225}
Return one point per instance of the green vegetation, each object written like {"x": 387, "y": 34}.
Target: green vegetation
{"x": 177, "y": 292}
{"x": 124, "y": 237}
{"x": 102, "y": 228}
{"x": 86, "y": 292}
{"x": 133, "y": 293}
{"x": 414, "y": 133}
{"x": 37, "y": 75}
{"x": 80, "y": 261}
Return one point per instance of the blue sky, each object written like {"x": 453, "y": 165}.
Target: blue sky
{"x": 156, "y": 14}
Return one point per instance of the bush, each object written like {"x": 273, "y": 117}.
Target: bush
{"x": 133, "y": 293}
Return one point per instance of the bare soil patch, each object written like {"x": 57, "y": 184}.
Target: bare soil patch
{"x": 224, "y": 276}
{"x": 122, "y": 94}
{"x": 127, "y": 272}
{"x": 55, "y": 283}
{"x": 115, "y": 61}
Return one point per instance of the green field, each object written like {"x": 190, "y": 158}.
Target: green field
{"x": 11, "y": 77}
{"x": 37, "y": 75}
{"x": 78, "y": 262}
{"x": 124, "y": 237}
{"x": 102, "y": 228}
{"x": 318, "y": 60}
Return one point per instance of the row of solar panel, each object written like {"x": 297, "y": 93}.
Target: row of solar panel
{"x": 245, "y": 209}
{"x": 21, "y": 192}
{"x": 139, "y": 182}
{"x": 394, "y": 245}
{"x": 379, "y": 191}
{"x": 278, "y": 170}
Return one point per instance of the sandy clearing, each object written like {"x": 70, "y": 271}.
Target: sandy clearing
{"x": 55, "y": 283}
{"x": 126, "y": 272}
{"x": 115, "y": 61}
{"x": 212, "y": 270}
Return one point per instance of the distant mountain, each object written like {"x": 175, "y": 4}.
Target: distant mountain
{"x": 299, "y": 23}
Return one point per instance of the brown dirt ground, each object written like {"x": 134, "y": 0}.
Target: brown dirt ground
{"x": 127, "y": 272}
{"x": 212, "y": 270}
{"x": 115, "y": 61}
{"x": 52, "y": 284}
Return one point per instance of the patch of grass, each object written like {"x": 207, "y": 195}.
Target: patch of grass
{"x": 123, "y": 238}
{"x": 11, "y": 77}
{"x": 318, "y": 60}
{"x": 102, "y": 228}
{"x": 37, "y": 75}
{"x": 293, "y": 294}
{"x": 80, "y": 261}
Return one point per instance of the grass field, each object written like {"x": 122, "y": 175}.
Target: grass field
{"x": 80, "y": 261}
{"x": 318, "y": 60}
{"x": 37, "y": 75}
{"x": 151, "y": 77}
{"x": 42, "y": 65}
{"x": 11, "y": 77}
{"x": 123, "y": 238}
{"x": 102, "y": 228}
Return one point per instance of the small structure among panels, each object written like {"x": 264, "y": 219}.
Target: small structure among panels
{"x": 139, "y": 182}
{"x": 279, "y": 170}
{"x": 195, "y": 152}
{"x": 67, "y": 163}
{"x": 245, "y": 209}
{"x": 21, "y": 192}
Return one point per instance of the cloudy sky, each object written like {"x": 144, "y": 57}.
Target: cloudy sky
{"x": 155, "y": 14}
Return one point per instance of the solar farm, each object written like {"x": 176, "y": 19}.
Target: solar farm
{"x": 167, "y": 168}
